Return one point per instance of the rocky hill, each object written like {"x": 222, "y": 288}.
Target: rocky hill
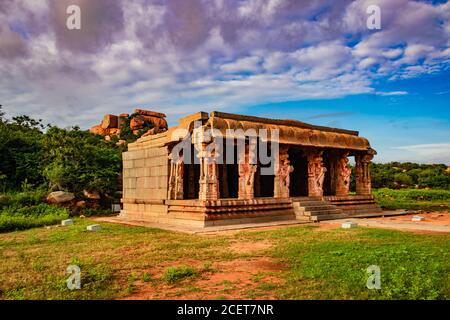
{"x": 129, "y": 127}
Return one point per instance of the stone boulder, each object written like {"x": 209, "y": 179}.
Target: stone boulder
{"x": 153, "y": 131}
{"x": 150, "y": 113}
{"x": 98, "y": 130}
{"x": 137, "y": 123}
{"x": 110, "y": 121}
{"x": 81, "y": 204}
{"x": 60, "y": 197}
{"x": 92, "y": 195}
{"x": 112, "y": 125}
{"x": 142, "y": 121}
{"x": 121, "y": 143}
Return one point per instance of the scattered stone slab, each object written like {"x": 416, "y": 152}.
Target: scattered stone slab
{"x": 94, "y": 227}
{"x": 417, "y": 218}
{"x": 67, "y": 222}
{"x": 60, "y": 197}
{"x": 115, "y": 208}
{"x": 349, "y": 225}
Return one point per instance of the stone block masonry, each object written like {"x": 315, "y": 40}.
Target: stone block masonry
{"x": 145, "y": 173}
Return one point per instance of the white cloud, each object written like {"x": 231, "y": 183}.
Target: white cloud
{"x": 247, "y": 64}
{"x": 391, "y": 93}
{"x": 219, "y": 55}
{"x": 426, "y": 153}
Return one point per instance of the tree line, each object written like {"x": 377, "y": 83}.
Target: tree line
{"x": 396, "y": 175}
{"x": 34, "y": 155}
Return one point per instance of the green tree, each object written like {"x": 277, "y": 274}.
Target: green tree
{"x": 76, "y": 160}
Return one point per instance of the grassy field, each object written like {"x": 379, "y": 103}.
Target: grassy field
{"x": 413, "y": 199}
{"x": 25, "y": 210}
{"x": 302, "y": 262}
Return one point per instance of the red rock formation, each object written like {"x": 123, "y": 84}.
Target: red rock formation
{"x": 111, "y": 125}
{"x": 98, "y": 130}
{"x": 137, "y": 123}
{"x": 109, "y": 121}
{"x": 150, "y": 113}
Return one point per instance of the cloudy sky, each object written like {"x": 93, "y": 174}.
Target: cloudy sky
{"x": 311, "y": 60}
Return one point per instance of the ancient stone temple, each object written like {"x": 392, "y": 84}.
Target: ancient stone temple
{"x": 220, "y": 168}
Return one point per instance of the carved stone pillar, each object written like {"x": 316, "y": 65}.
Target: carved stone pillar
{"x": 316, "y": 173}
{"x": 247, "y": 172}
{"x": 362, "y": 170}
{"x": 343, "y": 173}
{"x": 283, "y": 170}
{"x": 209, "y": 182}
{"x": 175, "y": 191}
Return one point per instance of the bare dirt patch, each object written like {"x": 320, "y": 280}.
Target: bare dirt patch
{"x": 250, "y": 247}
{"x": 435, "y": 218}
{"x": 326, "y": 226}
{"x": 237, "y": 279}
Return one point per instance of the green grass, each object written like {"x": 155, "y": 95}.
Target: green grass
{"x": 325, "y": 264}
{"x": 333, "y": 265}
{"x": 21, "y": 218}
{"x": 22, "y": 199}
{"x": 174, "y": 274}
{"x": 25, "y": 210}
{"x": 413, "y": 199}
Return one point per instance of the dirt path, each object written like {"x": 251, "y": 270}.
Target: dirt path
{"x": 435, "y": 222}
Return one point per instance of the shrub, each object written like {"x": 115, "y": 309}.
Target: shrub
{"x": 21, "y": 199}
{"x": 413, "y": 199}
{"x": 174, "y": 274}
{"x": 13, "y": 218}
{"x": 413, "y": 194}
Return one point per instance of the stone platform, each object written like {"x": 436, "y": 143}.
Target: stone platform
{"x": 201, "y": 230}
{"x": 226, "y": 212}
{"x": 200, "y": 213}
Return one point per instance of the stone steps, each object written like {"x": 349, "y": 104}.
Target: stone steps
{"x": 314, "y": 209}
{"x": 334, "y": 207}
{"x": 322, "y": 212}
{"x": 356, "y": 205}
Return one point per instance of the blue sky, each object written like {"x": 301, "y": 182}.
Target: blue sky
{"x": 410, "y": 127}
{"x": 311, "y": 60}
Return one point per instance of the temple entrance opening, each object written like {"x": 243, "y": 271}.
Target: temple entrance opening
{"x": 299, "y": 177}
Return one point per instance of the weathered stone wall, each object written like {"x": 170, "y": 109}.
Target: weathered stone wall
{"x": 145, "y": 182}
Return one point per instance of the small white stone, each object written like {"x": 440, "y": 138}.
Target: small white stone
{"x": 94, "y": 227}
{"x": 417, "y": 218}
{"x": 67, "y": 222}
{"x": 348, "y": 225}
{"x": 116, "y": 208}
